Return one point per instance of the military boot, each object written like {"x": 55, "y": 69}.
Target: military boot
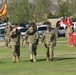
{"x": 34, "y": 58}
{"x": 18, "y": 58}
{"x": 14, "y": 59}
{"x": 51, "y": 56}
{"x": 31, "y": 57}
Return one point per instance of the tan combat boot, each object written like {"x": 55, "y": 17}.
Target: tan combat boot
{"x": 34, "y": 58}
{"x": 31, "y": 57}
{"x": 14, "y": 59}
{"x": 18, "y": 58}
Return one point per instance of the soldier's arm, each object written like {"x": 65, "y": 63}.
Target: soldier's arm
{"x": 37, "y": 35}
{"x": 26, "y": 35}
{"x": 12, "y": 33}
{"x": 5, "y": 31}
{"x": 54, "y": 39}
{"x": 43, "y": 37}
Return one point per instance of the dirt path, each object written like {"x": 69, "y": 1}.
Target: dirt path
{"x": 2, "y": 43}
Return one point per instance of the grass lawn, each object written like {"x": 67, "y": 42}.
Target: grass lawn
{"x": 64, "y": 61}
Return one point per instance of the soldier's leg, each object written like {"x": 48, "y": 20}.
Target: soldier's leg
{"x": 47, "y": 51}
{"x": 34, "y": 52}
{"x": 9, "y": 42}
{"x": 51, "y": 54}
{"x": 6, "y": 43}
{"x": 14, "y": 54}
{"x": 14, "y": 58}
{"x": 18, "y": 58}
{"x": 31, "y": 52}
{"x": 51, "y": 48}
{"x": 18, "y": 52}
{"x": 22, "y": 41}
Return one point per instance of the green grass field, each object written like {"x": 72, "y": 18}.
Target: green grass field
{"x": 64, "y": 61}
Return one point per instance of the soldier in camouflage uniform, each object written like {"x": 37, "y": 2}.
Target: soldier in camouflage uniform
{"x": 7, "y": 37}
{"x": 15, "y": 43}
{"x": 32, "y": 36}
{"x": 49, "y": 41}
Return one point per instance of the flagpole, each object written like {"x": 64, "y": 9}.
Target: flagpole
{"x": 6, "y": 14}
{"x": 7, "y": 17}
{"x": 7, "y": 11}
{"x": 2, "y": 2}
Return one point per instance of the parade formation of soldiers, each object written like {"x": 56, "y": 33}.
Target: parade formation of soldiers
{"x": 12, "y": 40}
{"x": 48, "y": 39}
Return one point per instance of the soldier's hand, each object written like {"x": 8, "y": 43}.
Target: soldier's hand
{"x": 14, "y": 29}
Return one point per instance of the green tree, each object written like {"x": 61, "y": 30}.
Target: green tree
{"x": 73, "y": 8}
{"x": 64, "y": 8}
{"x": 17, "y": 11}
{"x": 23, "y": 10}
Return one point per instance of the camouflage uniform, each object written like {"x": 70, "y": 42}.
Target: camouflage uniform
{"x": 15, "y": 44}
{"x": 49, "y": 41}
{"x": 22, "y": 39}
{"x": 7, "y": 37}
{"x": 32, "y": 39}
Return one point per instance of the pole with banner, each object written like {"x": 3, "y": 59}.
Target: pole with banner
{"x": 3, "y": 10}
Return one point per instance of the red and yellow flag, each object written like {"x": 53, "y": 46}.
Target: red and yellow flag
{"x": 3, "y": 10}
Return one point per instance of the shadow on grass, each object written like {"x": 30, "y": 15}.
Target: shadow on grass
{"x": 38, "y": 60}
{"x": 26, "y": 61}
{"x": 55, "y": 59}
{"x": 64, "y": 58}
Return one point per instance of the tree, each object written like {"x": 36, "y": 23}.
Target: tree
{"x": 17, "y": 11}
{"x": 24, "y": 10}
{"x": 64, "y": 8}
{"x": 73, "y": 8}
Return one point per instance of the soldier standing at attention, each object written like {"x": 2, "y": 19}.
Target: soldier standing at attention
{"x": 7, "y": 37}
{"x": 15, "y": 43}
{"x": 49, "y": 40}
{"x": 32, "y": 36}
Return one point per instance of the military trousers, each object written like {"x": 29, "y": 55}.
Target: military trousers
{"x": 49, "y": 50}
{"x": 7, "y": 41}
{"x": 16, "y": 50}
{"x": 32, "y": 49}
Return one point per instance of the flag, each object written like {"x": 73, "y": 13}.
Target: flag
{"x": 3, "y": 10}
